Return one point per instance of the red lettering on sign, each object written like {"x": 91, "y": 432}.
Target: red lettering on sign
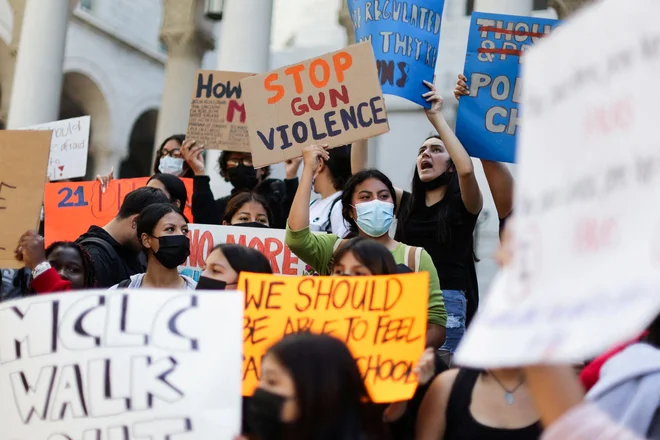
{"x": 593, "y": 234}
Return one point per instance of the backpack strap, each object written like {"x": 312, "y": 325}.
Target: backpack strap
{"x": 413, "y": 255}
{"x": 328, "y": 228}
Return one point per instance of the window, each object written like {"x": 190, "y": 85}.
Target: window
{"x": 86, "y": 4}
{"x": 538, "y": 5}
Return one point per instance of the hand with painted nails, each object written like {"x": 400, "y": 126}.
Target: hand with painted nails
{"x": 461, "y": 87}
{"x": 105, "y": 179}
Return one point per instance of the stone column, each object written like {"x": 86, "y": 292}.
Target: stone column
{"x": 345, "y": 20}
{"x": 187, "y": 36}
{"x": 514, "y": 7}
{"x": 37, "y": 84}
{"x": 243, "y": 46}
{"x": 565, "y": 8}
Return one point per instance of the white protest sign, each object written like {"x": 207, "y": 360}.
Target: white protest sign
{"x": 586, "y": 270}
{"x": 151, "y": 364}
{"x": 68, "y": 148}
{"x": 270, "y": 242}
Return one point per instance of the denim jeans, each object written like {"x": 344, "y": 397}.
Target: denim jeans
{"x": 456, "y": 305}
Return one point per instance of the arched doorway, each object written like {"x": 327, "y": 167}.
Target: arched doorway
{"x": 140, "y": 148}
{"x": 80, "y": 97}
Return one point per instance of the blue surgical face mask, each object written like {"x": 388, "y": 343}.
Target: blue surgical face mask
{"x": 170, "y": 165}
{"x": 374, "y": 218}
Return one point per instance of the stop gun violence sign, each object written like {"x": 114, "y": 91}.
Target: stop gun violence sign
{"x": 334, "y": 99}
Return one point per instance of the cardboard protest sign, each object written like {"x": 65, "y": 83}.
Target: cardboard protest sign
{"x": 488, "y": 118}
{"x": 23, "y": 163}
{"x": 270, "y": 242}
{"x": 405, "y": 37}
{"x": 99, "y": 365}
{"x": 217, "y": 114}
{"x": 334, "y": 99}
{"x": 69, "y": 147}
{"x": 382, "y": 319}
{"x": 586, "y": 270}
{"x": 70, "y": 208}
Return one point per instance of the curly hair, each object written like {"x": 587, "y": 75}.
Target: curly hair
{"x": 88, "y": 262}
{"x": 222, "y": 165}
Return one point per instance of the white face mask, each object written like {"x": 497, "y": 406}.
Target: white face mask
{"x": 170, "y": 165}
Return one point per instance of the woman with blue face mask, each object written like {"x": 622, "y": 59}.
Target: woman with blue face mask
{"x": 368, "y": 205}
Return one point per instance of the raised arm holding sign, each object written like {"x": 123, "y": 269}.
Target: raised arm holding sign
{"x": 333, "y": 99}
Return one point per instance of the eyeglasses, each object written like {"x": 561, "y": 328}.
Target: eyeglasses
{"x": 173, "y": 153}
{"x": 234, "y": 162}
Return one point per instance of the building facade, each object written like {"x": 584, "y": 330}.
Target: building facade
{"x": 130, "y": 64}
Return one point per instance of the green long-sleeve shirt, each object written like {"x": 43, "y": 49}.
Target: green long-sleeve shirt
{"x": 317, "y": 250}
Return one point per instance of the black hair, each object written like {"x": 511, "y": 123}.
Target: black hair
{"x": 347, "y": 195}
{"x": 653, "y": 336}
{"x": 339, "y": 405}
{"x": 186, "y": 171}
{"x": 174, "y": 186}
{"x": 151, "y": 215}
{"x": 222, "y": 165}
{"x": 240, "y": 199}
{"x": 339, "y": 165}
{"x": 371, "y": 254}
{"x": 418, "y": 201}
{"x": 140, "y": 198}
{"x": 244, "y": 259}
{"x": 89, "y": 273}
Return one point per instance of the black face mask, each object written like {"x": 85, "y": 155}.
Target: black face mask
{"x": 206, "y": 283}
{"x": 263, "y": 417}
{"x": 442, "y": 180}
{"x": 252, "y": 225}
{"x": 242, "y": 177}
{"x": 172, "y": 250}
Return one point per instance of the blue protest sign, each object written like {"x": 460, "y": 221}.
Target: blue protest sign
{"x": 405, "y": 36}
{"x": 488, "y": 118}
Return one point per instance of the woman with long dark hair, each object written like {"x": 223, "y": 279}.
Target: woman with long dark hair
{"x": 311, "y": 389}
{"x": 368, "y": 205}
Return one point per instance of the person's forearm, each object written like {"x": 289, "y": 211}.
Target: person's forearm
{"x": 459, "y": 156}
{"x": 435, "y": 335}
{"x": 359, "y": 155}
{"x": 501, "y": 183}
{"x": 299, "y": 214}
{"x": 555, "y": 391}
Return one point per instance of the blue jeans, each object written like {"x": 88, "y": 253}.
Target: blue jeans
{"x": 456, "y": 305}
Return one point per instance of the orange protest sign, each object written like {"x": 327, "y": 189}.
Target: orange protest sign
{"x": 217, "y": 114}
{"x": 382, "y": 319}
{"x": 334, "y": 99}
{"x": 23, "y": 165}
{"x": 70, "y": 208}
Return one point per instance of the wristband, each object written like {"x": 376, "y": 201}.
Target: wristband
{"x": 40, "y": 269}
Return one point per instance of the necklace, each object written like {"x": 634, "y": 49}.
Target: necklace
{"x": 508, "y": 394}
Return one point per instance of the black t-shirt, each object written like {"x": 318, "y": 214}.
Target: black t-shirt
{"x": 454, "y": 259}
